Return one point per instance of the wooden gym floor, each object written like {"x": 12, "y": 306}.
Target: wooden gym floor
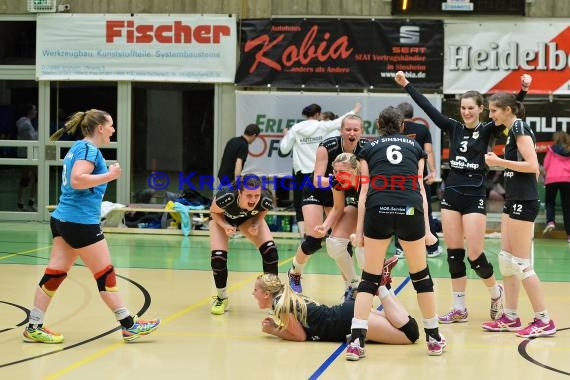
{"x": 169, "y": 277}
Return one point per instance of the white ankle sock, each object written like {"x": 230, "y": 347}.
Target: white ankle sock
{"x": 459, "y": 301}
{"x": 121, "y": 313}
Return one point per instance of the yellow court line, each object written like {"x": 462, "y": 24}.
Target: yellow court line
{"x": 24, "y": 252}
{"x": 79, "y": 363}
{"x": 168, "y": 319}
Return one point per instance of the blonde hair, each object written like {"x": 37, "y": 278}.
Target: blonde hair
{"x": 348, "y": 158}
{"x": 87, "y": 120}
{"x": 288, "y": 301}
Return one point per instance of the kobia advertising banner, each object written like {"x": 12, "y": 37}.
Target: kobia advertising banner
{"x": 140, "y": 47}
{"x": 333, "y": 53}
{"x": 275, "y": 111}
{"x": 502, "y": 51}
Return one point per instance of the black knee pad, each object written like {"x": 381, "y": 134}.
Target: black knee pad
{"x": 219, "y": 263}
{"x": 51, "y": 280}
{"x": 455, "y": 260}
{"x": 106, "y": 280}
{"x": 411, "y": 329}
{"x": 369, "y": 283}
{"x": 481, "y": 266}
{"x": 269, "y": 257}
{"x": 311, "y": 244}
{"x": 422, "y": 281}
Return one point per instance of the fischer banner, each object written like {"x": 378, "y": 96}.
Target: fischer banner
{"x": 140, "y": 47}
{"x": 274, "y": 111}
{"x": 503, "y": 51}
{"x": 341, "y": 53}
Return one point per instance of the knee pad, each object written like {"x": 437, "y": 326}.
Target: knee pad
{"x": 422, "y": 281}
{"x": 524, "y": 269}
{"x": 359, "y": 253}
{"x": 336, "y": 247}
{"x": 411, "y": 329}
{"x": 506, "y": 265}
{"x": 51, "y": 280}
{"x": 455, "y": 260}
{"x": 269, "y": 257}
{"x": 106, "y": 280}
{"x": 369, "y": 283}
{"x": 219, "y": 261}
{"x": 482, "y": 266}
{"x": 311, "y": 244}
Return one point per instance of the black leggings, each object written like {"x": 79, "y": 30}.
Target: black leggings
{"x": 550, "y": 202}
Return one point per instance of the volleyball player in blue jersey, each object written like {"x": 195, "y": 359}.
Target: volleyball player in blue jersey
{"x": 77, "y": 232}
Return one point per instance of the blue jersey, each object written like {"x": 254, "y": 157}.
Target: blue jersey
{"x": 81, "y": 206}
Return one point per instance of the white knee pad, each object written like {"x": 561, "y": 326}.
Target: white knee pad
{"x": 359, "y": 253}
{"x": 506, "y": 265}
{"x": 336, "y": 247}
{"x": 525, "y": 270}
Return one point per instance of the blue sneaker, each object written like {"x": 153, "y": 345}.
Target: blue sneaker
{"x": 139, "y": 329}
{"x": 295, "y": 281}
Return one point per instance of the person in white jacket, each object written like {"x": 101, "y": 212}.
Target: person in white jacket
{"x": 303, "y": 138}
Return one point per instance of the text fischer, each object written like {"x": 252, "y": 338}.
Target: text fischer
{"x": 175, "y": 33}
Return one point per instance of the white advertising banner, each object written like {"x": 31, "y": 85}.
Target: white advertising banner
{"x": 274, "y": 111}
{"x": 140, "y": 47}
{"x": 491, "y": 56}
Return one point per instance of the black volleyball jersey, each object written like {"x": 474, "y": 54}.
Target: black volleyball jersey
{"x": 519, "y": 186}
{"x": 333, "y": 145}
{"x": 227, "y": 199}
{"x": 326, "y": 323}
{"x": 467, "y": 147}
{"x": 393, "y": 170}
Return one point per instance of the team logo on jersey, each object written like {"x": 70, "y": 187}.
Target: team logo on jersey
{"x": 476, "y": 135}
{"x": 410, "y": 211}
{"x": 254, "y": 212}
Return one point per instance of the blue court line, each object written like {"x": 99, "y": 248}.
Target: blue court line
{"x": 342, "y": 347}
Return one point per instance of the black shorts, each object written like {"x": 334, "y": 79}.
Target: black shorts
{"x": 464, "y": 204}
{"x": 317, "y": 197}
{"x": 238, "y": 221}
{"x": 75, "y": 234}
{"x": 522, "y": 210}
{"x": 382, "y": 222}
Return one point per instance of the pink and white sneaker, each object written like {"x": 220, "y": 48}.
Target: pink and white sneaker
{"x": 504, "y": 323}
{"x": 354, "y": 352}
{"x": 537, "y": 328}
{"x": 453, "y": 316}
{"x": 435, "y": 347}
{"x": 497, "y": 304}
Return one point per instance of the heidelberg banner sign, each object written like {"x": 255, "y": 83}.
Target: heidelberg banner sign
{"x": 332, "y": 53}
